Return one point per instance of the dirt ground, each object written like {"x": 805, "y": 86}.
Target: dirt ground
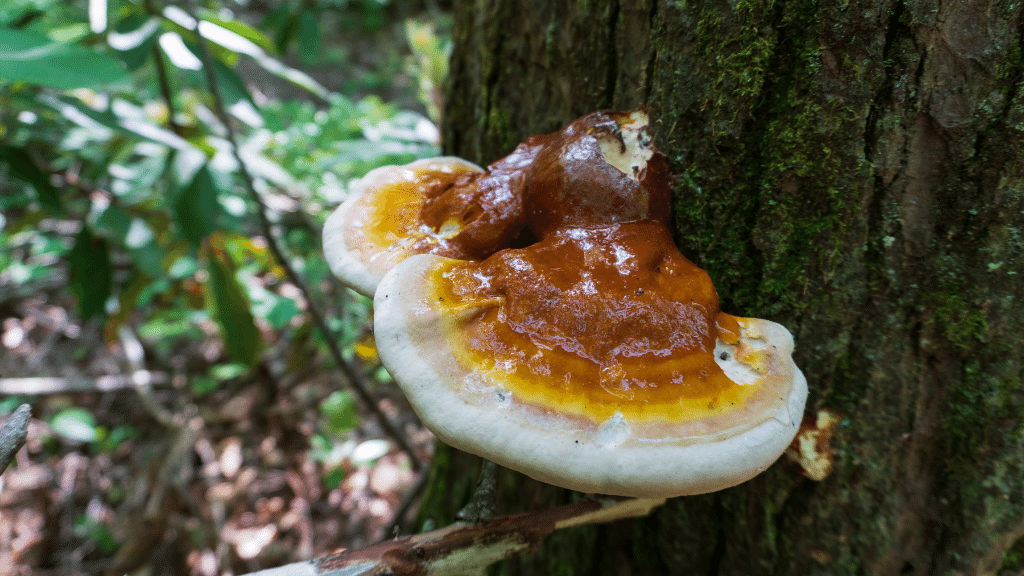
{"x": 218, "y": 484}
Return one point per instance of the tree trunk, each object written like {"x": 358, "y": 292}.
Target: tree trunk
{"x": 851, "y": 170}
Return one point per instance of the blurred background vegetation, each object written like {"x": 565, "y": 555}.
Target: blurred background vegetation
{"x": 158, "y": 308}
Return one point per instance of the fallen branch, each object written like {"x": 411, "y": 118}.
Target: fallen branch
{"x": 13, "y": 434}
{"x": 46, "y": 385}
{"x": 463, "y": 549}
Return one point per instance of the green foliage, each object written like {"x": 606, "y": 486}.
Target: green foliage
{"x": 340, "y": 412}
{"x": 97, "y": 532}
{"x": 196, "y": 209}
{"x": 91, "y": 272}
{"x": 23, "y": 168}
{"x": 33, "y": 58}
{"x": 118, "y": 186}
{"x": 230, "y": 307}
{"x": 1013, "y": 558}
{"x": 431, "y": 52}
{"x": 120, "y": 194}
{"x": 299, "y": 23}
{"x": 111, "y": 132}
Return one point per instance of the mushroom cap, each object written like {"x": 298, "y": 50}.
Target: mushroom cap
{"x": 601, "y": 169}
{"x": 379, "y": 225}
{"x": 636, "y": 410}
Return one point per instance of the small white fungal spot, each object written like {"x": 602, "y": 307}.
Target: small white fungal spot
{"x": 613, "y": 432}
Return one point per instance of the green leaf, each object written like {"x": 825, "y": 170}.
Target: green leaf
{"x": 309, "y": 37}
{"x": 76, "y": 424}
{"x": 133, "y": 37}
{"x": 11, "y": 403}
{"x": 31, "y": 57}
{"x": 285, "y": 21}
{"x": 340, "y": 410}
{"x": 230, "y": 83}
{"x": 277, "y": 310}
{"x": 196, "y": 209}
{"x": 231, "y": 87}
{"x": 231, "y": 309}
{"x": 184, "y": 166}
{"x": 182, "y": 267}
{"x": 141, "y": 243}
{"x": 203, "y": 385}
{"x": 114, "y": 223}
{"x": 334, "y": 478}
{"x": 149, "y": 259}
{"x": 223, "y": 372}
{"x": 282, "y": 312}
{"x": 121, "y": 116}
{"x": 97, "y": 532}
{"x": 91, "y": 273}
{"x": 116, "y": 437}
{"x": 22, "y": 167}
{"x": 242, "y": 29}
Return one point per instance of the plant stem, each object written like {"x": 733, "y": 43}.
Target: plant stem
{"x": 354, "y": 378}
{"x": 165, "y": 90}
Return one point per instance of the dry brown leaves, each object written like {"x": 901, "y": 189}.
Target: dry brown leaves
{"x": 229, "y": 488}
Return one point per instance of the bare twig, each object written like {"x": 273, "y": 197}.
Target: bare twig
{"x": 13, "y": 434}
{"x": 468, "y": 549}
{"x": 353, "y": 377}
{"x": 47, "y": 385}
{"x": 143, "y": 386}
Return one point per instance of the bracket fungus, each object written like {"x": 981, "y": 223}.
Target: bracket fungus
{"x": 378, "y": 225}
{"x": 571, "y": 340}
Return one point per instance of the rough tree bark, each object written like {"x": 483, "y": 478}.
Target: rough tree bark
{"x": 851, "y": 170}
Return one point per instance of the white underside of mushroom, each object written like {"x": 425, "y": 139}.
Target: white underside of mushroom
{"x": 361, "y": 268}
{"x": 470, "y": 413}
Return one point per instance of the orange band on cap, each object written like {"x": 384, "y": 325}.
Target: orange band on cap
{"x": 592, "y": 322}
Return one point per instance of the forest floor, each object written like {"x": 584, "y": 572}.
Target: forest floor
{"x": 224, "y": 484}
{"x": 171, "y": 479}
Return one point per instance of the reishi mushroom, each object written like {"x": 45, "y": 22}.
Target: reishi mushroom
{"x": 573, "y": 342}
{"x": 378, "y": 224}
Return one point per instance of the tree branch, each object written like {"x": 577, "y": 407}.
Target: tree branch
{"x": 51, "y": 385}
{"x": 463, "y": 549}
{"x": 13, "y": 434}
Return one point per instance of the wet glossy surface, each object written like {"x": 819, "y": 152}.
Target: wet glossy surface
{"x": 571, "y": 185}
{"x": 488, "y": 208}
{"x": 549, "y": 182}
{"x": 593, "y": 321}
{"x": 599, "y": 313}
{"x": 390, "y": 215}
